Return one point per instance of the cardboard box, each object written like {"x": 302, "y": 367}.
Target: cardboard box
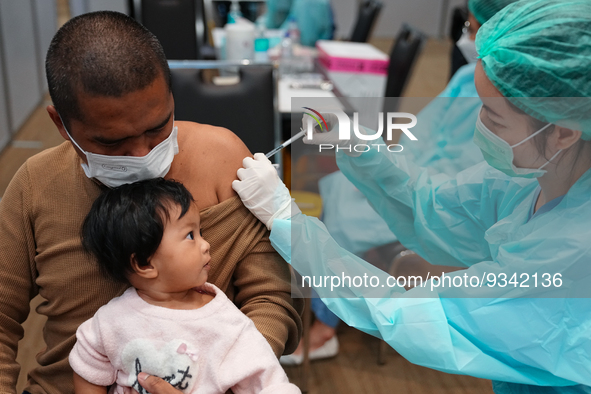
{"x": 352, "y": 57}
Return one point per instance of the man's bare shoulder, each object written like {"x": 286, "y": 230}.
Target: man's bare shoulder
{"x": 208, "y": 156}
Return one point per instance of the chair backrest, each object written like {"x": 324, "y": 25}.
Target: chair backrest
{"x": 458, "y": 19}
{"x": 246, "y": 108}
{"x": 459, "y": 16}
{"x": 249, "y": 9}
{"x": 180, "y": 25}
{"x": 366, "y": 17}
{"x": 404, "y": 53}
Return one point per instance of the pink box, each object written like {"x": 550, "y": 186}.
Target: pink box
{"x": 353, "y": 57}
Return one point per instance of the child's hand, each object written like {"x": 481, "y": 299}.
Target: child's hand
{"x": 155, "y": 385}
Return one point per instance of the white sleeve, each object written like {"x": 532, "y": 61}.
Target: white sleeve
{"x": 88, "y": 358}
{"x": 250, "y": 366}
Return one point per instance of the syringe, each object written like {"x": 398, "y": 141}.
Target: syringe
{"x": 286, "y": 143}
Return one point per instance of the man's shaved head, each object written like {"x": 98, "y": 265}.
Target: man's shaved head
{"x": 101, "y": 54}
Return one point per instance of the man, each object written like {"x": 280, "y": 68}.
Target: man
{"x": 110, "y": 86}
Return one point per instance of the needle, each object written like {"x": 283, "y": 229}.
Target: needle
{"x": 286, "y": 143}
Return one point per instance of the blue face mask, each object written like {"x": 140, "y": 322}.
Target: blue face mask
{"x": 499, "y": 154}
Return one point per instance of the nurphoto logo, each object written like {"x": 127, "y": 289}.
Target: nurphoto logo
{"x": 363, "y": 134}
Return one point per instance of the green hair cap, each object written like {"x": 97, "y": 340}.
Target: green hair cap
{"x": 537, "y": 53}
{"x": 483, "y": 10}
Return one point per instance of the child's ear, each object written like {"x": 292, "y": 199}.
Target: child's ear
{"x": 145, "y": 271}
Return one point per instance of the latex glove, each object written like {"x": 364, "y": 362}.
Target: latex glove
{"x": 320, "y": 136}
{"x": 262, "y": 191}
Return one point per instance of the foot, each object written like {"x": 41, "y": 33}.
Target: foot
{"x": 328, "y": 350}
{"x": 323, "y": 344}
{"x": 319, "y": 334}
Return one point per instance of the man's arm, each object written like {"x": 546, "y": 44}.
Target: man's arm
{"x": 82, "y": 386}
{"x": 17, "y": 273}
{"x": 263, "y": 294}
{"x": 262, "y": 278}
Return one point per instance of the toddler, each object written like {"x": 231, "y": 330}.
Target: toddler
{"x": 170, "y": 323}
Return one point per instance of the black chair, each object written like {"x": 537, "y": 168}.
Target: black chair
{"x": 250, "y": 10}
{"x": 404, "y": 53}
{"x": 366, "y": 17}
{"x": 459, "y": 16}
{"x": 246, "y": 108}
{"x": 180, "y": 26}
{"x": 458, "y": 19}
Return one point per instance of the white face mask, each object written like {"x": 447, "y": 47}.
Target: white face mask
{"x": 467, "y": 47}
{"x": 499, "y": 154}
{"x": 113, "y": 171}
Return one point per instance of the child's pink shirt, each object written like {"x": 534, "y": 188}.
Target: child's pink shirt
{"x": 206, "y": 350}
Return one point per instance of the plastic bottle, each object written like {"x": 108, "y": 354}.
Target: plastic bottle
{"x": 235, "y": 13}
{"x": 261, "y": 48}
{"x": 261, "y": 45}
{"x": 285, "y": 66}
{"x": 293, "y": 30}
{"x": 286, "y": 47}
{"x": 240, "y": 40}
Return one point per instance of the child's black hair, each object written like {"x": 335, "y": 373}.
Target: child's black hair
{"x": 129, "y": 220}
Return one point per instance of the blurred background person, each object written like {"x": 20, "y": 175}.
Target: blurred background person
{"x": 314, "y": 18}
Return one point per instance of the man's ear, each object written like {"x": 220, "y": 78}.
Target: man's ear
{"x": 144, "y": 271}
{"x": 57, "y": 121}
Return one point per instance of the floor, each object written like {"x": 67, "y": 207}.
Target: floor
{"x": 355, "y": 369}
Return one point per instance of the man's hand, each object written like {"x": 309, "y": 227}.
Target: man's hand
{"x": 155, "y": 385}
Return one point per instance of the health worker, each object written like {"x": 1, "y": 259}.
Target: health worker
{"x": 444, "y": 132}
{"x": 524, "y": 213}
{"x": 314, "y": 18}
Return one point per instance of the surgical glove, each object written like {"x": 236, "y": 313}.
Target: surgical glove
{"x": 330, "y": 137}
{"x": 262, "y": 192}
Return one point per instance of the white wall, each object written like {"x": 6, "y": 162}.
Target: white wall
{"x": 345, "y": 14}
{"x": 20, "y": 59}
{"x": 26, "y": 29}
{"x": 78, "y": 7}
{"x": 429, "y": 16}
{"x": 4, "y": 123}
{"x": 46, "y": 27}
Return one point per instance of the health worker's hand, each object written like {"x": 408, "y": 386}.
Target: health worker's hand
{"x": 330, "y": 137}
{"x": 155, "y": 385}
{"x": 262, "y": 191}
{"x": 320, "y": 135}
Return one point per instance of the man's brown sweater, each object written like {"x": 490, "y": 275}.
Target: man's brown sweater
{"x": 40, "y": 253}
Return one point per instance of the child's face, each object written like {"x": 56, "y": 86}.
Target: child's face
{"x": 182, "y": 259}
